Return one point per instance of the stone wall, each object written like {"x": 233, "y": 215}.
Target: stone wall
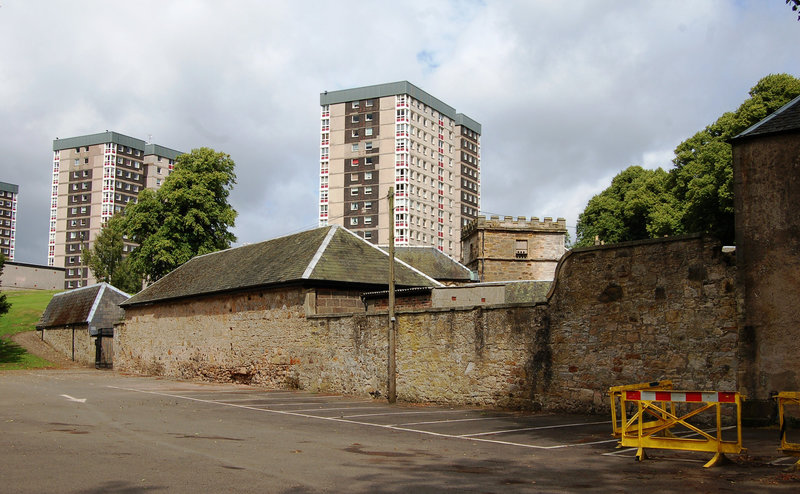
{"x": 62, "y": 340}
{"x": 643, "y": 311}
{"x": 466, "y": 356}
{"x": 623, "y": 314}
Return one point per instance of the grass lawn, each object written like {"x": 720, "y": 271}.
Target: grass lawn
{"x": 26, "y": 308}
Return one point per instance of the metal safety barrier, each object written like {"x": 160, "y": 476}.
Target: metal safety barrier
{"x": 642, "y": 431}
{"x": 617, "y": 395}
{"x": 791, "y": 398}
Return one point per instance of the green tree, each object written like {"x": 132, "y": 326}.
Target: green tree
{"x": 188, "y": 216}
{"x": 5, "y": 305}
{"x": 696, "y": 196}
{"x": 106, "y": 259}
{"x": 635, "y": 206}
{"x": 795, "y": 4}
{"x": 702, "y": 180}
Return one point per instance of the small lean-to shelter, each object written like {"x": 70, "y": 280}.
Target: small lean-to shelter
{"x": 80, "y": 323}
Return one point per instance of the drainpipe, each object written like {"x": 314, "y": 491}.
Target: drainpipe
{"x": 73, "y": 343}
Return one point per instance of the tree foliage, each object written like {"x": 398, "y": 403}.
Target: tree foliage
{"x": 106, "y": 259}
{"x": 696, "y": 196}
{"x": 188, "y": 216}
{"x": 5, "y": 305}
{"x": 635, "y": 206}
{"x": 795, "y": 6}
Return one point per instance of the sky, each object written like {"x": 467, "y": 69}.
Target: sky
{"x": 568, "y": 93}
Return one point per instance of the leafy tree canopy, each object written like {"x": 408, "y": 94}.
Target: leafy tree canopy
{"x": 697, "y": 194}
{"x": 635, "y": 206}
{"x": 106, "y": 259}
{"x": 795, "y": 6}
{"x": 188, "y": 216}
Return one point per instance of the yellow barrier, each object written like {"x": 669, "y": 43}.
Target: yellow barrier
{"x": 617, "y": 394}
{"x": 652, "y": 404}
{"x": 790, "y": 398}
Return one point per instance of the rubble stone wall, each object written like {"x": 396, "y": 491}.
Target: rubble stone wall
{"x": 623, "y": 314}
{"x": 640, "y": 312}
{"x": 62, "y": 339}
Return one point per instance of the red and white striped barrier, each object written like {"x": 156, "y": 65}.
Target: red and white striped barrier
{"x": 682, "y": 396}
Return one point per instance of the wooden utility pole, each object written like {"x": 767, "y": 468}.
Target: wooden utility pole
{"x": 392, "y": 388}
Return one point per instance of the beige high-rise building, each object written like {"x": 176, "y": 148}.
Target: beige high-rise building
{"x": 94, "y": 177}
{"x": 8, "y": 219}
{"x": 397, "y": 135}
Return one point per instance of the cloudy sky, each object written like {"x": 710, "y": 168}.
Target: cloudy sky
{"x": 568, "y": 93}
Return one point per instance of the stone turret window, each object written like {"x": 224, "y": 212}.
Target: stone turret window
{"x": 521, "y": 249}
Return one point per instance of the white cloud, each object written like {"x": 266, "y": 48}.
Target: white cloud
{"x": 568, "y": 94}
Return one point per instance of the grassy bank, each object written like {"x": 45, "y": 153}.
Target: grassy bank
{"x": 26, "y": 308}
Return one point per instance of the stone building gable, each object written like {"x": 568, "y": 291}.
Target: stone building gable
{"x": 92, "y": 305}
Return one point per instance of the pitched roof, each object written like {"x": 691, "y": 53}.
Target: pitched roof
{"x": 433, "y": 262}
{"x": 324, "y": 255}
{"x": 784, "y": 119}
{"x": 80, "y": 306}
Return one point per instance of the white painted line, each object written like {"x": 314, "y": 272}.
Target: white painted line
{"x": 77, "y": 400}
{"x": 682, "y": 434}
{"x": 534, "y": 428}
{"x": 344, "y": 421}
{"x": 452, "y": 420}
{"x": 784, "y": 461}
{"x": 263, "y": 403}
{"x": 276, "y": 398}
{"x": 330, "y": 419}
{"x": 336, "y": 408}
{"x": 401, "y": 413}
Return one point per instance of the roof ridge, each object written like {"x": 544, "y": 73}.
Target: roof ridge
{"x": 96, "y": 302}
{"x": 318, "y": 254}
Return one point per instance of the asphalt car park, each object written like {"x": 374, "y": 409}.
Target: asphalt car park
{"x": 95, "y": 431}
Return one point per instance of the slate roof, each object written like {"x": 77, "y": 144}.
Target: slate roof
{"x": 327, "y": 255}
{"x": 784, "y": 119}
{"x": 85, "y": 305}
{"x": 433, "y": 262}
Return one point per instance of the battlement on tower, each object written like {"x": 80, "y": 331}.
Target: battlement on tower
{"x": 510, "y": 223}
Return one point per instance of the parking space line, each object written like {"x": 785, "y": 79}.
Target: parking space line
{"x": 336, "y": 408}
{"x": 533, "y": 428}
{"x": 452, "y": 420}
{"x": 401, "y": 413}
{"x": 354, "y": 422}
